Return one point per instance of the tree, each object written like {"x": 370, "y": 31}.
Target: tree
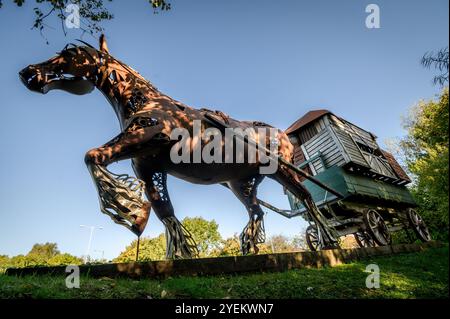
{"x": 41, "y": 253}
{"x": 4, "y": 261}
{"x": 298, "y": 242}
{"x": 205, "y": 234}
{"x": 19, "y": 261}
{"x": 149, "y": 249}
{"x": 64, "y": 259}
{"x": 91, "y": 12}
{"x": 438, "y": 60}
{"x": 279, "y": 243}
{"x": 230, "y": 247}
{"x": 425, "y": 150}
{"x": 46, "y": 250}
{"x": 274, "y": 244}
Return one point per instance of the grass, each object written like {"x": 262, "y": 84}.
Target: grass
{"x": 414, "y": 275}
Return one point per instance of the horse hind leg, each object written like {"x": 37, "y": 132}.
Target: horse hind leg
{"x": 179, "y": 241}
{"x": 327, "y": 235}
{"x": 254, "y": 232}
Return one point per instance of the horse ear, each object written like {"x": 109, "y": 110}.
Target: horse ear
{"x": 103, "y": 45}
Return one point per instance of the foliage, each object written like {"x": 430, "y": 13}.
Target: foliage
{"x": 149, "y": 249}
{"x": 205, "y": 234}
{"x": 347, "y": 242}
{"x": 4, "y": 260}
{"x": 64, "y": 259}
{"x": 40, "y": 255}
{"x": 439, "y": 60}
{"x": 426, "y": 153}
{"x": 274, "y": 244}
{"x": 413, "y": 275}
{"x": 209, "y": 243}
{"x": 230, "y": 247}
{"x": 283, "y": 244}
{"x": 18, "y": 261}
{"x": 279, "y": 243}
{"x": 92, "y": 12}
{"x": 299, "y": 241}
{"x": 44, "y": 251}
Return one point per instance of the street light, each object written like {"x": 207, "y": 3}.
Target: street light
{"x": 90, "y": 240}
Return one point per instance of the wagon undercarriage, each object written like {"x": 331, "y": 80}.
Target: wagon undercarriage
{"x": 369, "y": 224}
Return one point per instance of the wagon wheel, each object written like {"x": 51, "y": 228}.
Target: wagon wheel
{"x": 363, "y": 239}
{"x": 312, "y": 237}
{"x": 377, "y": 228}
{"x": 418, "y": 225}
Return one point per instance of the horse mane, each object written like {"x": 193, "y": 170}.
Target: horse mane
{"x": 107, "y": 54}
{"x": 87, "y": 44}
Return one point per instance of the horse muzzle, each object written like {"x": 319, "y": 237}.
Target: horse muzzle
{"x": 33, "y": 80}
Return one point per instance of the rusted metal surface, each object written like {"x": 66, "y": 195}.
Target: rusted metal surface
{"x": 147, "y": 119}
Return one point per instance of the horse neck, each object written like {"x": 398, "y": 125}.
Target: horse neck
{"x": 118, "y": 82}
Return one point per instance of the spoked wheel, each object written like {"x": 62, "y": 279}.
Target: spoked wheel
{"x": 363, "y": 239}
{"x": 312, "y": 237}
{"x": 418, "y": 225}
{"x": 377, "y": 228}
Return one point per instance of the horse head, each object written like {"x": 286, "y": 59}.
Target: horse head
{"x": 74, "y": 70}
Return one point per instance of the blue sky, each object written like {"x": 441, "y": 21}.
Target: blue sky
{"x": 255, "y": 60}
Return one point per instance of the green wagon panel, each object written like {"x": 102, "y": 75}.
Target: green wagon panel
{"x": 354, "y": 186}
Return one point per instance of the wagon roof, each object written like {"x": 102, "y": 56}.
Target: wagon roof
{"x": 306, "y": 119}
{"x": 313, "y": 115}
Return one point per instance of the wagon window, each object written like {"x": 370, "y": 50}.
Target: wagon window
{"x": 370, "y": 150}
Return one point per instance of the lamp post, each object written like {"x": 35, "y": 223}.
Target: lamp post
{"x": 90, "y": 240}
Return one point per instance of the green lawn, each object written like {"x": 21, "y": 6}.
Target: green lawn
{"x": 415, "y": 275}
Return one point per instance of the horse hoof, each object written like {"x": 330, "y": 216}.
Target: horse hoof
{"x": 141, "y": 221}
{"x": 135, "y": 230}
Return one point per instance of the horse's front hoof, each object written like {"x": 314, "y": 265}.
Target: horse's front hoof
{"x": 141, "y": 220}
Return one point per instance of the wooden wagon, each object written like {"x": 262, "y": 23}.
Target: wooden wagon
{"x": 376, "y": 201}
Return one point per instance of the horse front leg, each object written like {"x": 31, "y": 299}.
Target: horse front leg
{"x": 121, "y": 196}
{"x": 179, "y": 241}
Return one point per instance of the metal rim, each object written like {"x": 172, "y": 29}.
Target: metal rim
{"x": 312, "y": 237}
{"x": 419, "y": 226}
{"x": 377, "y": 228}
{"x": 363, "y": 239}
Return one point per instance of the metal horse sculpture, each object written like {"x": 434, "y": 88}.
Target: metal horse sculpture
{"x": 147, "y": 118}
